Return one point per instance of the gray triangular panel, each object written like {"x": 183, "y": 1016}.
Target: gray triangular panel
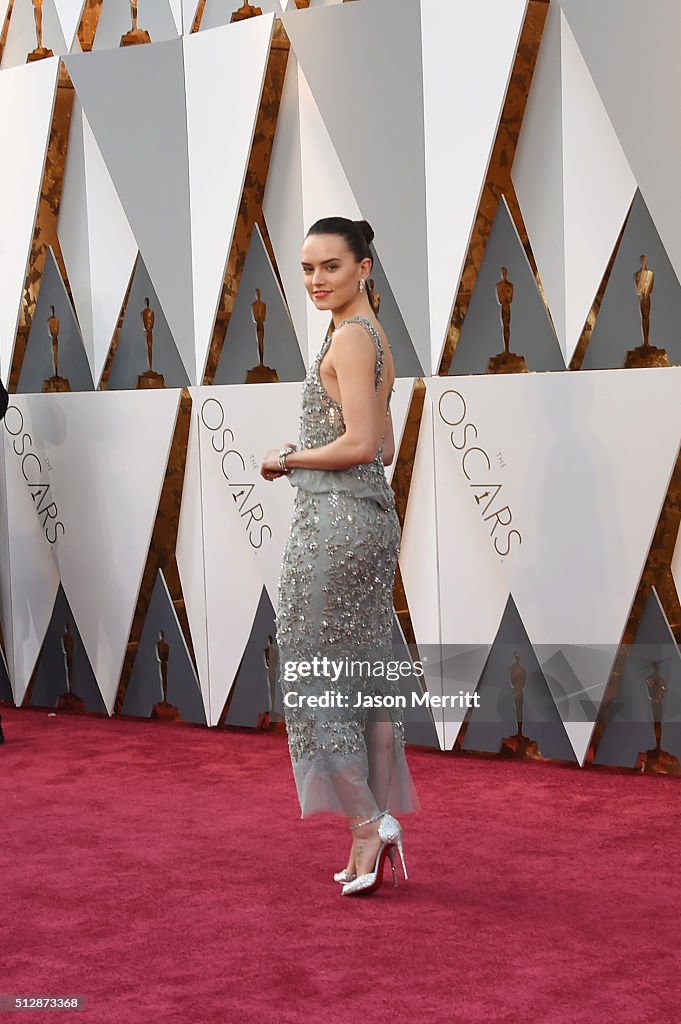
{"x": 631, "y": 50}
{"x": 618, "y": 325}
{"x": 145, "y": 685}
{"x": 496, "y": 718}
{"x": 51, "y": 674}
{"x": 134, "y": 99}
{"x": 375, "y": 122}
{"x": 251, "y": 693}
{"x": 629, "y": 729}
{"x": 532, "y": 334}
{"x": 240, "y": 349}
{"x": 407, "y": 362}
{"x": 130, "y": 359}
{"x": 72, "y": 359}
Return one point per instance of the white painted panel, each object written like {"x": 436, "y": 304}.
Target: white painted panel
{"x": 598, "y": 188}
{"x": 134, "y": 100}
{"x": 221, "y": 64}
{"x": 31, "y": 87}
{"x": 375, "y": 122}
{"x": 105, "y": 455}
{"x": 467, "y": 47}
{"x": 29, "y": 573}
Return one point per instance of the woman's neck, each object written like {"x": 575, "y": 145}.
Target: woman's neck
{"x": 356, "y": 307}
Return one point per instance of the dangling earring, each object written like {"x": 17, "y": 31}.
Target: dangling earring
{"x": 361, "y": 284}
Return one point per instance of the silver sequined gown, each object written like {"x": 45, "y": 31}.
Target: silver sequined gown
{"x": 335, "y": 600}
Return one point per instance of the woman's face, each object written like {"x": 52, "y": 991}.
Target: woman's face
{"x": 330, "y": 271}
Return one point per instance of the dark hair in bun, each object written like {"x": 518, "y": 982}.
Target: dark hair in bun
{"x": 358, "y": 236}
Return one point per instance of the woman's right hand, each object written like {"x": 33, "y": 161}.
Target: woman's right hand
{"x": 269, "y": 467}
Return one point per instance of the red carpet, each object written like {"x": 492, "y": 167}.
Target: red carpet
{"x": 162, "y": 872}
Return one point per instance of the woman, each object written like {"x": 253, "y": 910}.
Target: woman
{"x": 335, "y": 586}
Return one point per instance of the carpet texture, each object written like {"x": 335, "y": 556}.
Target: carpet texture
{"x": 163, "y": 872}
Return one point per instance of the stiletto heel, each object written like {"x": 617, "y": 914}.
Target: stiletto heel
{"x": 399, "y": 847}
{"x": 391, "y": 854}
{"x": 390, "y": 834}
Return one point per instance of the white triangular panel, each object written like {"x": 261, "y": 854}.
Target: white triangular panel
{"x": 107, "y": 455}
{"x": 189, "y": 8}
{"x": 595, "y": 204}
{"x": 473, "y": 590}
{"x": 73, "y": 228}
{"x": 376, "y": 124}
{"x": 232, "y": 576}
{"x": 69, "y": 13}
{"x": 28, "y": 576}
{"x": 632, "y": 54}
{"x": 558, "y": 199}
{"x": 537, "y": 171}
{"x": 112, "y": 248}
{"x": 418, "y": 559}
{"x": 123, "y": 93}
{"x": 465, "y": 46}
{"x": 259, "y": 417}
{"x": 98, "y": 246}
{"x": 31, "y": 87}
{"x": 176, "y": 11}
{"x": 418, "y": 551}
{"x": 191, "y": 554}
{"x": 325, "y": 187}
{"x": 400, "y": 403}
{"x": 578, "y": 503}
{"x": 220, "y": 64}
{"x": 283, "y": 203}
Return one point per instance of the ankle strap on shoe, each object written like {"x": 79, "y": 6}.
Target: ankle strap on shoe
{"x": 369, "y": 821}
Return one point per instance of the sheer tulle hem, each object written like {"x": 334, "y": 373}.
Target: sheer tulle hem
{"x": 342, "y": 790}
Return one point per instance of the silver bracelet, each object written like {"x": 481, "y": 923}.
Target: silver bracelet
{"x": 283, "y": 452}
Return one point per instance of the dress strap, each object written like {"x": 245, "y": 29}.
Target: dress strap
{"x": 377, "y": 341}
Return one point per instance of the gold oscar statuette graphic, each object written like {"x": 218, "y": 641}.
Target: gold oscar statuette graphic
{"x": 55, "y": 382}
{"x": 269, "y": 719}
{"x": 519, "y": 745}
{"x": 376, "y": 296}
{"x": 136, "y": 35}
{"x": 164, "y": 709}
{"x": 506, "y": 361}
{"x": 657, "y": 760}
{"x": 40, "y": 51}
{"x": 149, "y": 379}
{"x": 646, "y": 354}
{"x": 260, "y": 374}
{"x": 69, "y": 701}
{"x": 246, "y": 11}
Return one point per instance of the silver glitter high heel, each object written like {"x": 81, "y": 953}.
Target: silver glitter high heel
{"x": 390, "y": 834}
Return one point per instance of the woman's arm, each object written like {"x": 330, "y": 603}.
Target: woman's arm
{"x": 354, "y": 360}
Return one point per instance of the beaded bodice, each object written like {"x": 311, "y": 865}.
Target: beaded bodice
{"x": 321, "y": 421}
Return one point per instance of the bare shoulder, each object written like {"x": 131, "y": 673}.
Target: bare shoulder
{"x": 355, "y": 335}
{"x": 353, "y": 339}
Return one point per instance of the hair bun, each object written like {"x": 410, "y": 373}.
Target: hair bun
{"x": 366, "y": 229}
